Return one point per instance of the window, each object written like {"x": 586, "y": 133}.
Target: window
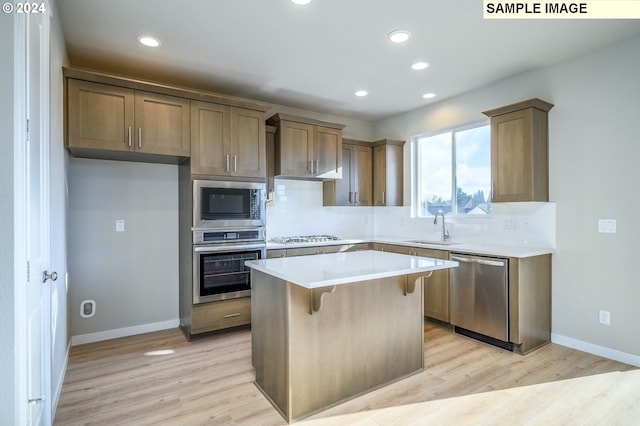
{"x": 453, "y": 162}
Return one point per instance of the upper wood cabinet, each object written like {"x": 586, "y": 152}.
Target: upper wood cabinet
{"x": 387, "y": 172}
{"x": 355, "y": 187}
{"x": 306, "y": 148}
{"x": 105, "y": 117}
{"x": 271, "y": 140}
{"x": 519, "y": 151}
{"x": 121, "y": 118}
{"x": 227, "y": 141}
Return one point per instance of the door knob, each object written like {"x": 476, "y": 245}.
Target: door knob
{"x": 46, "y": 276}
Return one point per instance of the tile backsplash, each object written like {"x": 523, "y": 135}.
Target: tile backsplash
{"x": 297, "y": 210}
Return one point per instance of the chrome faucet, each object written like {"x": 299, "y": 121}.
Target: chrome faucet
{"x": 445, "y": 234}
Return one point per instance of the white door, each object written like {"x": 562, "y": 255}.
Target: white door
{"x": 32, "y": 175}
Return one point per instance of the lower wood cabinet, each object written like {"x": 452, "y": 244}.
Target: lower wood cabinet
{"x": 219, "y": 315}
{"x": 305, "y": 251}
{"x": 436, "y": 287}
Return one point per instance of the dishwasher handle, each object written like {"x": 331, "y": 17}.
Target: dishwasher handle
{"x": 479, "y": 260}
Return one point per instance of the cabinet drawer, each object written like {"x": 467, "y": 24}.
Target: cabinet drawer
{"x": 219, "y": 315}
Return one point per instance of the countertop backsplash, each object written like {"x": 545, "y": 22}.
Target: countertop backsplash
{"x": 297, "y": 210}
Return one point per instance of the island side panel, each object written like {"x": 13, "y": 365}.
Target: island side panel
{"x": 269, "y": 337}
{"x": 366, "y": 335}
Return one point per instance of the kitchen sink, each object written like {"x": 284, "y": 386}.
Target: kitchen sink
{"x": 437, "y": 243}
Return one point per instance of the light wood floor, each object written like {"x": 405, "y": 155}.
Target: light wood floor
{"x": 210, "y": 382}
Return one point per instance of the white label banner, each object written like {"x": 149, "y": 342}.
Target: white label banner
{"x": 586, "y": 9}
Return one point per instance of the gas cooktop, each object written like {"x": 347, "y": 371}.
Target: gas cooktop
{"x": 305, "y": 239}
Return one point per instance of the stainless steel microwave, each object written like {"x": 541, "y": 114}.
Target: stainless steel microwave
{"x": 224, "y": 204}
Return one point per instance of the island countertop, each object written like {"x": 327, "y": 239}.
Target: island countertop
{"x": 347, "y": 267}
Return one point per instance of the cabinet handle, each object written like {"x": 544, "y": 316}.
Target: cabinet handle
{"x": 227, "y": 156}
{"x": 139, "y": 137}
{"x": 311, "y": 165}
{"x": 237, "y": 314}
{"x": 357, "y": 198}
{"x": 235, "y": 163}
{"x": 350, "y": 197}
{"x": 383, "y": 202}
{"x": 493, "y": 190}
{"x": 129, "y": 136}
{"x": 317, "y": 166}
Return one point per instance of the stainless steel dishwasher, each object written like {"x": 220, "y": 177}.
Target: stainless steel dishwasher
{"x": 480, "y": 298}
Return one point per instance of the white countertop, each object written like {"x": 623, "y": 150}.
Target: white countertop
{"x": 472, "y": 248}
{"x": 344, "y": 268}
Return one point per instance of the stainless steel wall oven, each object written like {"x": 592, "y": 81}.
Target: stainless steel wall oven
{"x": 218, "y": 263}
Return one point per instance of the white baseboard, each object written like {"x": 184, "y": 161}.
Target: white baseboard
{"x": 123, "y": 332}
{"x": 602, "y": 351}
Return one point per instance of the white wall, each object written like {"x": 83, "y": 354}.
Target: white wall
{"x": 593, "y": 152}
{"x": 131, "y": 275}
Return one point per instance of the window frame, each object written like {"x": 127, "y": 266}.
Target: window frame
{"x": 415, "y": 175}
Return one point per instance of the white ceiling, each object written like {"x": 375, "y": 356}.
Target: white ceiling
{"x": 315, "y": 57}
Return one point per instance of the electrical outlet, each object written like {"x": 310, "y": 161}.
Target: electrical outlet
{"x": 605, "y": 317}
{"x": 87, "y": 308}
{"x": 607, "y": 226}
{"x": 120, "y": 225}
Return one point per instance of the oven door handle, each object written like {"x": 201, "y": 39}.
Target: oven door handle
{"x": 211, "y": 248}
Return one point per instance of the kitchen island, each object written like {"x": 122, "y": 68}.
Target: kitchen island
{"x": 327, "y": 328}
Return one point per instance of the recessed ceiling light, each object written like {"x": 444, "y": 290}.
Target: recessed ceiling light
{"x": 362, "y": 93}
{"x": 429, "y": 95}
{"x": 420, "y": 65}
{"x": 399, "y": 36}
{"x": 301, "y": 2}
{"x": 149, "y": 41}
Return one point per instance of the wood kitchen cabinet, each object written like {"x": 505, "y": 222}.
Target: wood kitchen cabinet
{"x": 387, "y": 172}
{"x": 306, "y": 148}
{"x": 519, "y": 151}
{"x": 220, "y": 315}
{"x": 227, "y": 141}
{"x": 355, "y": 187}
{"x": 529, "y": 302}
{"x": 305, "y": 251}
{"x": 436, "y": 287}
{"x": 110, "y": 118}
{"x": 271, "y": 183}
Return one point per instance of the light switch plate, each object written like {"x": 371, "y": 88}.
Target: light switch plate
{"x": 120, "y": 225}
{"x": 607, "y": 226}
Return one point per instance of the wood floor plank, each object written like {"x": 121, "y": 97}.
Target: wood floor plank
{"x": 210, "y": 382}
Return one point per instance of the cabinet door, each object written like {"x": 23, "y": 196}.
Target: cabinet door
{"x": 248, "y": 146}
{"x": 387, "y": 175}
{"x": 339, "y": 192}
{"x": 511, "y": 161}
{"x": 362, "y": 179}
{"x": 327, "y": 152}
{"x": 294, "y": 149}
{"x": 436, "y": 287}
{"x": 99, "y": 116}
{"x": 210, "y": 138}
{"x": 162, "y": 124}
